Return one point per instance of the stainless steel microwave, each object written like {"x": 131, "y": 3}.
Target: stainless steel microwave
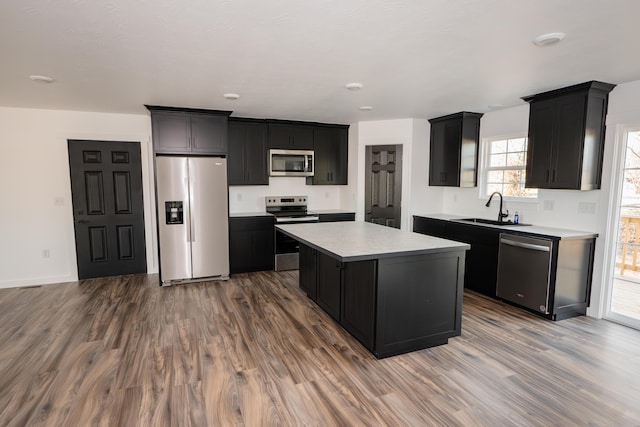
{"x": 291, "y": 163}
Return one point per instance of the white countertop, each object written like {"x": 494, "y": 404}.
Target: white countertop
{"x": 560, "y": 233}
{"x": 357, "y": 240}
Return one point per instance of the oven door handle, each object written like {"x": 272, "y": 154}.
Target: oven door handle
{"x": 294, "y": 220}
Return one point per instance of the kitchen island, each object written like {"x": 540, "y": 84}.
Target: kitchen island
{"x": 395, "y": 291}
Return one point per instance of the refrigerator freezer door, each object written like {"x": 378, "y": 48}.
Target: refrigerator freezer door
{"x": 173, "y": 239}
{"x": 209, "y": 217}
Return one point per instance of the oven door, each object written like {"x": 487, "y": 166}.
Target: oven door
{"x": 291, "y": 163}
{"x": 287, "y": 248}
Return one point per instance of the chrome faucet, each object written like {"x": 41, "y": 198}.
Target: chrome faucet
{"x": 500, "y": 214}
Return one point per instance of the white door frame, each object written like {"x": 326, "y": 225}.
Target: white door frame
{"x": 615, "y": 198}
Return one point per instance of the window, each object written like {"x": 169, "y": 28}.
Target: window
{"x": 506, "y": 167}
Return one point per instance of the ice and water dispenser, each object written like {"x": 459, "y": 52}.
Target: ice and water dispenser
{"x": 174, "y": 213}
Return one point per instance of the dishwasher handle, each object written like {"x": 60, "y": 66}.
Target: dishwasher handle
{"x": 526, "y": 245}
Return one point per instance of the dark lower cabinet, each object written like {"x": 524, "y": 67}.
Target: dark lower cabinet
{"x": 481, "y": 263}
{"x": 570, "y": 275}
{"x": 337, "y": 217}
{"x": 251, "y": 244}
{"x": 329, "y": 281}
{"x": 359, "y": 301}
{"x": 391, "y": 305}
{"x": 308, "y": 264}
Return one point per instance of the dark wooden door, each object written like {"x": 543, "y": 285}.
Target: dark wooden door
{"x": 383, "y": 184}
{"x": 108, "y": 211}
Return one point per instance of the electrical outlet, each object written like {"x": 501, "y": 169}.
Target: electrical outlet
{"x": 587, "y": 208}
{"x": 239, "y": 197}
{"x": 548, "y": 205}
{"x": 58, "y": 201}
{"x": 326, "y": 194}
{"x": 46, "y": 253}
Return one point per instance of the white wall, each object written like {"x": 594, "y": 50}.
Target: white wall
{"x": 34, "y": 171}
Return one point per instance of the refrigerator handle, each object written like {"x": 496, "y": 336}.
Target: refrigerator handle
{"x": 188, "y": 214}
{"x": 192, "y": 231}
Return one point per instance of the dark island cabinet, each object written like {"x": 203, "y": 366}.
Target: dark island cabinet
{"x": 189, "y": 131}
{"x": 391, "y": 305}
{"x": 247, "y": 158}
{"x": 337, "y": 217}
{"x": 329, "y": 285}
{"x": 481, "y": 262}
{"x": 308, "y": 263}
{"x": 290, "y": 135}
{"x": 251, "y": 244}
{"x": 331, "y": 146}
{"x": 453, "y": 152}
{"x": 566, "y": 137}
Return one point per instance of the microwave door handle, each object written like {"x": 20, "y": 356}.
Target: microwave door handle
{"x": 306, "y": 163}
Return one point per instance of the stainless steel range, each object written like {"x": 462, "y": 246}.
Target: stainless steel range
{"x": 288, "y": 210}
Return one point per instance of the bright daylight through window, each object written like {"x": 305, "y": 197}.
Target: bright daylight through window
{"x": 506, "y": 168}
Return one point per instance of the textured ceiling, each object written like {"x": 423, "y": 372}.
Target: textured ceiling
{"x": 290, "y": 59}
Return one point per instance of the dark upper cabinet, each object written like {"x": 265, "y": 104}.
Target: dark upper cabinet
{"x": 189, "y": 131}
{"x": 290, "y": 135}
{"x": 453, "y": 153}
{"x": 566, "y": 137}
{"x": 247, "y": 152}
{"x": 331, "y": 147}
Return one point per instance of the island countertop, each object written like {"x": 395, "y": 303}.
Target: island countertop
{"x": 358, "y": 241}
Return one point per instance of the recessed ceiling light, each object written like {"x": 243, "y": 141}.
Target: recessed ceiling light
{"x": 231, "y": 96}
{"x": 548, "y": 39}
{"x": 353, "y": 86}
{"x": 366, "y": 108}
{"x": 42, "y": 79}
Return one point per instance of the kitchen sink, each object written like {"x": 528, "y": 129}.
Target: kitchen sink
{"x": 490, "y": 221}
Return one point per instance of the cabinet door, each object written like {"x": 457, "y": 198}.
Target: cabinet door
{"x": 171, "y": 133}
{"x": 331, "y": 156}
{"x": 329, "y": 278}
{"x": 208, "y": 134}
{"x": 262, "y": 248}
{"x": 308, "y": 271}
{"x": 290, "y": 136}
{"x": 444, "y": 157}
{"x": 247, "y": 153}
{"x": 359, "y": 301}
{"x": 240, "y": 248}
{"x": 568, "y": 142}
{"x": 337, "y": 217}
{"x": 428, "y": 226}
{"x": 540, "y": 143}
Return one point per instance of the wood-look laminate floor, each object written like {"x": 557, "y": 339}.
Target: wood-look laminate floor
{"x": 254, "y": 351}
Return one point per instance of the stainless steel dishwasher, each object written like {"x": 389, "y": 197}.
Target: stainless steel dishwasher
{"x": 524, "y": 268}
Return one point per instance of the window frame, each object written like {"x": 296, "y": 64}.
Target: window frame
{"x": 486, "y": 158}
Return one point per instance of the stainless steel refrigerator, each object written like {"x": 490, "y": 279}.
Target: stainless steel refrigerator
{"x": 193, "y": 224}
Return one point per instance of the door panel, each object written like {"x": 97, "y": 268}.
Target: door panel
{"x": 173, "y": 239}
{"x": 209, "y": 216}
{"x": 383, "y": 186}
{"x": 106, "y": 187}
